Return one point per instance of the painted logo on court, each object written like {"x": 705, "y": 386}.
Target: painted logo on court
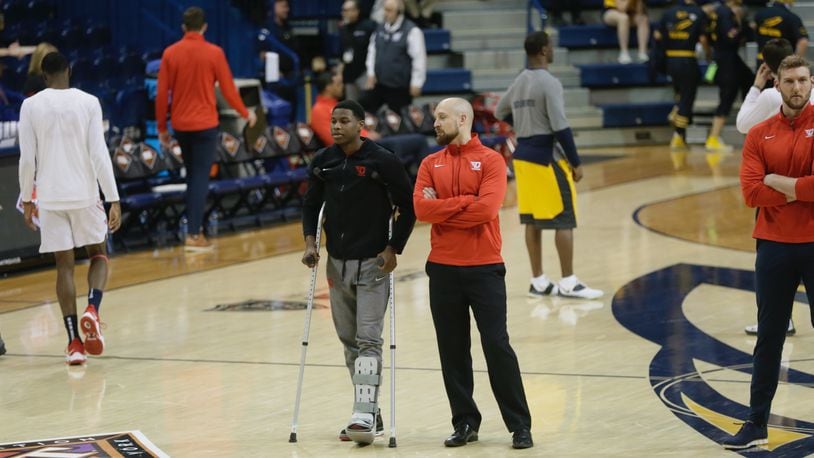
{"x": 651, "y": 306}
{"x": 111, "y": 445}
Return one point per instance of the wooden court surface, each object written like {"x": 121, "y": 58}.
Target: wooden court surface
{"x": 201, "y": 383}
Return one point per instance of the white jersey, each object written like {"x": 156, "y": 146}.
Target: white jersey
{"x": 63, "y": 150}
{"x": 759, "y": 106}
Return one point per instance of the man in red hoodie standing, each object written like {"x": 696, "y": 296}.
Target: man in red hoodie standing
{"x": 776, "y": 177}
{"x": 189, "y": 69}
{"x": 460, "y": 190}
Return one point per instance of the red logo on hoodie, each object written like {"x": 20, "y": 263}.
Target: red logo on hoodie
{"x": 360, "y": 170}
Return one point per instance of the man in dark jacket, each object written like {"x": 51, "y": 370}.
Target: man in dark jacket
{"x": 360, "y": 183}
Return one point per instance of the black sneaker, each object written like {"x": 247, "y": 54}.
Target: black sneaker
{"x": 749, "y": 435}
{"x": 2, "y": 347}
{"x": 550, "y": 290}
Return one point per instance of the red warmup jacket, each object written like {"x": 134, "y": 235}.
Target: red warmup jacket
{"x": 189, "y": 69}
{"x": 783, "y": 147}
{"x": 470, "y": 182}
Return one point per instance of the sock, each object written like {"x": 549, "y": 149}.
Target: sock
{"x": 95, "y": 298}
{"x": 71, "y": 325}
{"x": 569, "y": 282}
{"x": 540, "y": 283}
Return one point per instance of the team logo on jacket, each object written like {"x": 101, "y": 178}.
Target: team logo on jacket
{"x": 809, "y": 133}
{"x": 475, "y": 165}
{"x": 360, "y": 170}
{"x": 230, "y": 144}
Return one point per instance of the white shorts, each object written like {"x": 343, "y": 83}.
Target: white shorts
{"x": 62, "y": 230}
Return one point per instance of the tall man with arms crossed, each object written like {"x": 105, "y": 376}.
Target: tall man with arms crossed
{"x": 761, "y": 104}
{"x": 460, "y": 190}
{"x": 546, "y": 164}
{"x": 359, "y": 182}
{"x": 63, "y": 152}
{"x": 776, "y": 178}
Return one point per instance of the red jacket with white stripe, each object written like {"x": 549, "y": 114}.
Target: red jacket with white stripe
{"x": 784, "y": 147}
{"x": 470, "y": 183}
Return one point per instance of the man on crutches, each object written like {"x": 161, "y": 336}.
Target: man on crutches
{"x": 360, "y": 183}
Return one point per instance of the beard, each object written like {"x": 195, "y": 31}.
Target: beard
{"x": 445, "y": 138}
{"x": 797, "y": 103}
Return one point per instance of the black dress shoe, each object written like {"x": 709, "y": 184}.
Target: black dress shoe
{"x": 522, "y": 439}
{"x": 463, "y": 434}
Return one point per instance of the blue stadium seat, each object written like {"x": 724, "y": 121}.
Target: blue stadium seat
{"x": 610, "y": 75}
{"x": 444, "y": 80}
{"x": 72, "y": 37}
{"x": 636, "y": 114}
{"x": 437, "y": 40}
{"x": 97, "y": 36}
{"x": 593, "y": 36}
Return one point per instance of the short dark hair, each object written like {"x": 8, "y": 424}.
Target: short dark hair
{"x": 536, "y": 42}
{"x": 54, "y": 63}
{"x": 194, "y": 18}
{"x": 324, "y": 80}
{"x": 353, "y": 106}
{"x": 791, "y": 62}
{"x": 774, "y": 51}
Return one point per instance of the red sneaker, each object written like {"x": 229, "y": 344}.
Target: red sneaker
{"x": 75, "y": 353}
{"x": 94, "y": 342}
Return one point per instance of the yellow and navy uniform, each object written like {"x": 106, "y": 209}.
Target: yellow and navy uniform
{"x": 777, "y": 21}
{"x": 726, "y": 34}
{"x": 681, "y": 27}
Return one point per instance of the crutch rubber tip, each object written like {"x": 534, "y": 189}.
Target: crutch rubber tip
{"x": 392, "y": 443}
{"x": 292, "y": 437}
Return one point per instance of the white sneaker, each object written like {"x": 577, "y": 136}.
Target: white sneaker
{"x": 752, "y": 330}
{"x": 643, "y": 57}
{"x": 549, "y": 290}
{"x": 580, "y": 290}
{"x": 624, "y": 58}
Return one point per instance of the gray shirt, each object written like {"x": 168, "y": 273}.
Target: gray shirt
{"x": 535, "y": 101}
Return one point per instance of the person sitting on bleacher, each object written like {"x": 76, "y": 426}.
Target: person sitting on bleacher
{"x": 620, "y": 14}
{"x": 354, "y": 33}
{"x": 411, "y": 148}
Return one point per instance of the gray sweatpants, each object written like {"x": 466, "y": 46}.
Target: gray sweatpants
{"x": 359, "y": 293}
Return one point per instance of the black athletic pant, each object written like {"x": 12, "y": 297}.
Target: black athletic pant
{"x": 198, "y": 150}
{"x": 779, "y": 268}
{"x": 453, "y": 290}
{"x": 686, "y": 76}
{"x": 733, "y": 77}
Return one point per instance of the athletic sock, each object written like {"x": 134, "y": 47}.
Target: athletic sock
{"x": 95, "y": 298}
{"x": 72, "y": 327}
{"x": 540, "y": 283}
{"x": 569, "y": 282}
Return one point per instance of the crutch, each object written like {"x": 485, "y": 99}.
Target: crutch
{"x": 293, "y": 436}
{"x": 392, "y": 306}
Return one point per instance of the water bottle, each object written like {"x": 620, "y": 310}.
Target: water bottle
{"x": 212, "y": 224}
{"x": 183, "y": 225}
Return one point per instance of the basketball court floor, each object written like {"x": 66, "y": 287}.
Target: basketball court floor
{"x": 203, "y": 350}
